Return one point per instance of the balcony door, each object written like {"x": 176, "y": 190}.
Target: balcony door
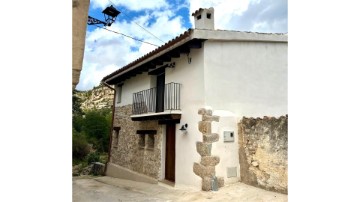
{"x": 160, "y": 89}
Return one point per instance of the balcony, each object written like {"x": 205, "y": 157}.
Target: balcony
{"x": 156, "y": 101}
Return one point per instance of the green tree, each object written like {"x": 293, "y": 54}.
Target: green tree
{"x": 77, "y": 112}
{"x": 76, "y": 103}
{"x": 96, "y": 126}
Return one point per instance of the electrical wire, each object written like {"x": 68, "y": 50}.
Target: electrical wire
{"x": 127, "y": 36}
{"x": 139, "y": 25}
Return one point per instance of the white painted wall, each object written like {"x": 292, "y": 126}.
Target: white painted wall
{"x": 135, "y": 84}
{"x": 242, "y": 79}
{"x": 227, "y": 151}
{"x": 191, "y": 76}
{"x": 247, "y": 78}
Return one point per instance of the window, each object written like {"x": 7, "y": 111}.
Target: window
{"x": 150, "y": 141}
{"x": 208, "y": 15}
{"x": 146, "y": 139}
{"x": 142, "y": 141}
{"x": 118, "y": 93}
{"x": 116, "y": 140}
{"x": 198, "y": 17}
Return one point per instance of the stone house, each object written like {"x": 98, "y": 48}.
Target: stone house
{"x": 177, "y": 108}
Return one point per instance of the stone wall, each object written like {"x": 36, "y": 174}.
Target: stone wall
{"x": 206, "y": 168}
{"x": 263, "y": 152}
{"x": 126, "y": 152}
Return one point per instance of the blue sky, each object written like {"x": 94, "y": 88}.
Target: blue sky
{"x": 106, "y": 52}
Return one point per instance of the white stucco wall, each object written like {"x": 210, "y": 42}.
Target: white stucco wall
{"x": 191, "y": 76}
{"x": 246, "y": 78}
{"x": 242, "y": 79}
{"x": 135, "y": 84}
{"x": 227, "y": 151}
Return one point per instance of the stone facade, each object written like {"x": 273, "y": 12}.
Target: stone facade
{"x": 125, "y": 148}
{"x": 206, "y": 168}
{"x": 263, "y": 152}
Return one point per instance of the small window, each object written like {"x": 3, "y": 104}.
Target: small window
{"x": 142, "y": 141}
{"x": 119, "y": 92}
{"x": 208, "y": 15}
{"x": 198, "y": 17}
{"x": 150, "y": 141}
{"x": 146, "y": 139}
{"x": 116, "y": 140}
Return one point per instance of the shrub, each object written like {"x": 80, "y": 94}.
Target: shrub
{"x": 96, "y": 125}
{"x": 77, "y": 121}
{"x": 80, "y": 146}
{"x": 93, "y": 157}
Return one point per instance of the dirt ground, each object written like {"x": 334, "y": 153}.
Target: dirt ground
{"x": 108, "y": 189}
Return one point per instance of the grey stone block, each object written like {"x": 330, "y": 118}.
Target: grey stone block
{"x": 208, "y": 112}
{"x": 203, "y": 171}
{"x": 210, "y": 160}
{"x": 206, "y": 184}
{"x": 202, "y": 111}
{"x": 198, "y": 169}
{"x": 214, "y": 184}
{"x": 210, "y": 118}
{"x": 205, "y": 127}
{"x": 214, "y": 137}
{"x": 204, "y": 149}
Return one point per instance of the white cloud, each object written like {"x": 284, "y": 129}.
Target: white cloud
{"x": 246, "y": 15}
{"x": 224, "y": 10}
{"x": 106, "y": 52}
{"x": 134, "y": 5}
{"x": 92, "y": 75}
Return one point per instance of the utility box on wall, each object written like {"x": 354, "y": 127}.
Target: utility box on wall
{"x": 229, "y": 136}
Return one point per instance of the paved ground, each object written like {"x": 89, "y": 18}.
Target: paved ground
{"x": 108, "y": 189}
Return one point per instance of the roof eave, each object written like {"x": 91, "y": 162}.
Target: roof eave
{"x": 195, "y": 34}
{"x": 172, "y": 44}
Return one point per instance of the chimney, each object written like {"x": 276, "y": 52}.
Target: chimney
{"x": 204, "y": 18}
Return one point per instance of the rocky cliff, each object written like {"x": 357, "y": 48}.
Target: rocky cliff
{"x": 97, "y": 98}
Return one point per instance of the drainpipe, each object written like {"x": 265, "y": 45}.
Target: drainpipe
{"x": 112, "y": 123}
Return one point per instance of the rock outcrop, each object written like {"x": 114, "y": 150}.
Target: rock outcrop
{"x": 97, "y": 98}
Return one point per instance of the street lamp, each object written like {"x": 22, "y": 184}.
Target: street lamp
{"x": 110, "y": 14}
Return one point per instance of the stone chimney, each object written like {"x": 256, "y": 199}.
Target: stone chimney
{"x": 204, "y": 18}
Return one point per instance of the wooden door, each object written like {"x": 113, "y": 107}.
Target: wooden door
{"x": 170, "y": 153}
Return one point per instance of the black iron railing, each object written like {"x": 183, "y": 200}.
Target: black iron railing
{"x": 157, "y": 99}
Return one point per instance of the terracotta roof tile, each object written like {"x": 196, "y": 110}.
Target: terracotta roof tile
{"x": 148, "y": 55}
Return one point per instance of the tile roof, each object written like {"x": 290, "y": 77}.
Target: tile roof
{"x": 152, "y": 53}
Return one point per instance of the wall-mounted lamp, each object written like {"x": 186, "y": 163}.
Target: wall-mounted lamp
{"x": 184, "y": 127}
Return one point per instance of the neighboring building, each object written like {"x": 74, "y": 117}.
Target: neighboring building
{"x": 79, "y": 21}
{"x": 204, "y": 79}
